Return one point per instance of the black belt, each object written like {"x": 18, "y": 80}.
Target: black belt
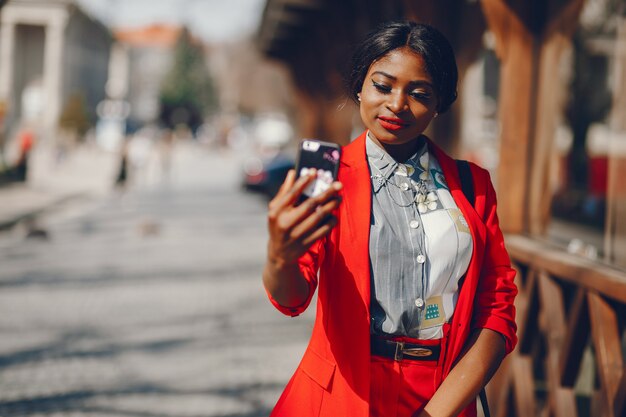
{"x": 403, "y": 350}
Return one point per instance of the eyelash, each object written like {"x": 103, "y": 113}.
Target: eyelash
{"x": 382, "y": 88}
{"x": 386, "y": 90}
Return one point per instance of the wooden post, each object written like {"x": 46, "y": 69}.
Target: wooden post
{"x": 551, "y": 93}
{"x": 530, "y": 38}
{"x": 561, "y": 400}
{"x": 516, "y": 49}
{"x": 609, "y": 360}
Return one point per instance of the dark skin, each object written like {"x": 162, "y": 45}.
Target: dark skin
{"x": 402, "y": 152}
{"x": 293, "y": 229}
{"x": 480, "y": 359}
{"x": 397, "y": 87}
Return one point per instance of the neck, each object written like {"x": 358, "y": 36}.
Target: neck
{"x": 403, "y": 151}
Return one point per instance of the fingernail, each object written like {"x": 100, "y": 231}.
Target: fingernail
{"x": 337, "y": 186}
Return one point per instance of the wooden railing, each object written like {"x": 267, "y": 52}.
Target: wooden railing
{"x": 571, "y": 314}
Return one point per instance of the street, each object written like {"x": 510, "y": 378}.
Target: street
{"x": 146, "y": 303}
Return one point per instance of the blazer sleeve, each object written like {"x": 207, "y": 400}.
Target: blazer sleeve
{"x": 494, "y": 304}
{"x": 309, "y": 266}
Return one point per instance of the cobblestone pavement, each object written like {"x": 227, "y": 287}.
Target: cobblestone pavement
{"x": 146, "y": 304}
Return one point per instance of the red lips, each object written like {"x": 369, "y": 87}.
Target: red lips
{"x": 392, "y": 123}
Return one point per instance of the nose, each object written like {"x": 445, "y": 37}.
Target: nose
{"x": 397, "y": 102}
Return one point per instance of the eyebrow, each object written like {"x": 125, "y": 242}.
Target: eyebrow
{"x": 418, "y": 82}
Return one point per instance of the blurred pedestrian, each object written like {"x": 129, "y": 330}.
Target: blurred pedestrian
{"x": 26, "y": 140}
{"x": 166, "y": 150}
{"x": 140, "y": 152}
{"x": 122, "y": 172}
{"x": 415, "y": 304}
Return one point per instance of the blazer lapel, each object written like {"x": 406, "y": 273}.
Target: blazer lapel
{"x": 476, "y": 225}
{"x": 461, "y": 319}
{"x": 357, "y": 204}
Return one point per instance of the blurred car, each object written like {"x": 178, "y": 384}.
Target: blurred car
{"x": 266, "y": 175}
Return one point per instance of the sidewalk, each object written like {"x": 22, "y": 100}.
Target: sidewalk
{"x": 20, "y": 201}
{"x": 87, "y": 171}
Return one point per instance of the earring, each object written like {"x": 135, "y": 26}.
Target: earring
{"x": 358, "y": 96}
{"x": 436, "y": 114}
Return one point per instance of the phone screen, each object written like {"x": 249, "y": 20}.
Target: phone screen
{"x": 324, "y": 157}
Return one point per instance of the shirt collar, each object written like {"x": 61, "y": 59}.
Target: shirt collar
{"x": 383, "y": 166}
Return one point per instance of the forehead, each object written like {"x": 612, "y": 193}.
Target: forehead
{"x": 402, "y": 63}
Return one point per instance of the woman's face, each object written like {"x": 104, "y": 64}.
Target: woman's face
{"x": 398, "y": 98}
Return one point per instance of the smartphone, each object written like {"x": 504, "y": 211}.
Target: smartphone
{"x": 324, "y": 157}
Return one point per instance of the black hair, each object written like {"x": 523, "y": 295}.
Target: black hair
{"x": 424, "y": 40}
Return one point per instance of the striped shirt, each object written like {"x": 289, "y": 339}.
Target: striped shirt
{"x": 420, "y": 245}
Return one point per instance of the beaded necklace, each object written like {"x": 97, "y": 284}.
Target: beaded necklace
{"x": 423, "y": 198}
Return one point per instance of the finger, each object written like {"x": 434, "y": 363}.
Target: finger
{"x": 313, "y": 203}
{"x": 315, "y": 219}
{"x": 320, "y": 232}
{"x": 295, "y": 224}
{"x": 330, "y": 193}
{"x": 292, "y": 193}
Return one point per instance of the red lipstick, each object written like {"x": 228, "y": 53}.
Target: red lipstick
{"x": 392, "y": 123}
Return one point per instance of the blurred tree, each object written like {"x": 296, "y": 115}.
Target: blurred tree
{"x": 75, "y": 116}
{"x": 187, "y": 93}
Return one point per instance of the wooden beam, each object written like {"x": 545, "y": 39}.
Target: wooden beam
{"x": 587, "y": 273}
{"x": 528, "y": 322}
{"x": 561, "y": 400}
{"x": 608, "y": 348}
{"x": 576, "y": 338}
{"x": 552, "y": 311}
{"x": 551, "y": 93}
{"x": 516, "y": 49}
{"x": 620, "y": 400}
{"x": 531, "y": 36}
{"x": 524, "y": 387}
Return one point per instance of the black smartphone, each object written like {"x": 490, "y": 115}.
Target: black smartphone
{"x": 322, "y": 156}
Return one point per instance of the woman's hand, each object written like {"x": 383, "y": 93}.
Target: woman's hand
{"x": 293, "y": 229}
{"x": 476, "y": 365}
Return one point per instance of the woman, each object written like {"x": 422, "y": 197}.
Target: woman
{"x": 415, "y": 304}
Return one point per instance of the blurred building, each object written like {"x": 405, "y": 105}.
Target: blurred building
{"x": 50, "y": 51}
{"x": 542, "y": 105}
{"x": 150, "y": 56}
{"x": 248, "y": 83}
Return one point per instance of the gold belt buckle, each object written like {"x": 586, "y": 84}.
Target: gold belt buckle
{"x": 418, "y": 352}
{"x": 399, "y": 351}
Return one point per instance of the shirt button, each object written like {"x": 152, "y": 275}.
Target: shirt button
{"x": 414, "y": 224}
{"x": 419, "y": 303}
{"x": 404, "y": 186}
{"x": 421, "y": 259}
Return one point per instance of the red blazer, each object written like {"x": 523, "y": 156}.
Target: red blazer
{"x": 333, "y": 378}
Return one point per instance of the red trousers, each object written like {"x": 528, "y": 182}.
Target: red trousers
{"x": 402, "y": 388}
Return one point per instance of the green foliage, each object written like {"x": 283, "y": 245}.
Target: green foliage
{"x": 75, "y": 116}
{"x": 187, "y": 93}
